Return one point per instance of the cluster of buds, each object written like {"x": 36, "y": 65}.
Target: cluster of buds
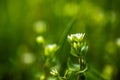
{"x": 78, "y": 37}
{"x": 78, "y": 46}
{"x": 54, "y": 72}
{"x": 51, "y": 49}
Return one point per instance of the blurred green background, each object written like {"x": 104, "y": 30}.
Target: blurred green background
{"x": 22, "y": 21}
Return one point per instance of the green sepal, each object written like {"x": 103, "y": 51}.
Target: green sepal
{"x": 84, "y": 49}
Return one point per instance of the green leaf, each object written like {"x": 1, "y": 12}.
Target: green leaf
{"x": 70, "y": 75}
{"x": 84, "y": 49}
{"x": 64, "y": 36}
{"x": 73, "y": 66}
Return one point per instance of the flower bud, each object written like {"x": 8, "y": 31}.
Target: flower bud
{"x": 40, "y": 39}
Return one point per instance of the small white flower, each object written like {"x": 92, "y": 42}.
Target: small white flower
{"x": 76, "y": 37}
{"x": 79, "y": 36}
{"x": 51, "y": 48}
{"x": 54, "y": 72}
{"x": 70, "y": 37}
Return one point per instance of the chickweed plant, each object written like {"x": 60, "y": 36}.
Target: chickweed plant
{"x": 75, "y": 65}
{"x": 75, "y": 71}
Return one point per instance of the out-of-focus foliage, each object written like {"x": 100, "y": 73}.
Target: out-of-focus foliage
{"x": 29, "y": 29}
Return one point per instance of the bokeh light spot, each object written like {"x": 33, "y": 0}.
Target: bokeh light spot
{"x": 28, "y": 58}
{"x": 39, "y": 39}
{"x": 71, "y": 9}
{"x": 40, "y": 26}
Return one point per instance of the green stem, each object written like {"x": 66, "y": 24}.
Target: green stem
{"x": 81, "y": 62}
